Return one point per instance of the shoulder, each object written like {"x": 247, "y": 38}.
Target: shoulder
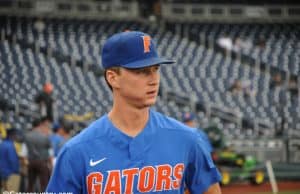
{"x": 173, "y": 126}
{"x": 29, "y": 136}
{"x": 5, "y": 144}
{"x": 55, "y": 138}
{"x": 95, "y": 131}
{"x": 177, "y": 133}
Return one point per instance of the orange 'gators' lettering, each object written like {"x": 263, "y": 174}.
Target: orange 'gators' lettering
{"x": 94, "y": 183}
{"x": 177, "y": 173}
{"x": 113, "y": 182}
{"x": 129, "y": 174}
{"x": 146, "y": 179}
{"x": 149, "y": 179}
{"x": 163, "y": 180}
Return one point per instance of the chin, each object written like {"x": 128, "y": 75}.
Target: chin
{"x": 149, "y": 103}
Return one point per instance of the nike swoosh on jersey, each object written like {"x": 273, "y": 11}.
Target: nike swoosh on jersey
{"x": 94, "y": 163}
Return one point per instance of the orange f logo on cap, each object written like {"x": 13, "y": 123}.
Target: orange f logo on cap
{"x": 147, "y": 43}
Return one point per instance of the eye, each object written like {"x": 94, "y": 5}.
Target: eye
{"x": 156, "y": 68}
{"x": 140, "y": 71}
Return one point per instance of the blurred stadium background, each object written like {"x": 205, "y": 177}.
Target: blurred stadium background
{"x": 215, "y": 43}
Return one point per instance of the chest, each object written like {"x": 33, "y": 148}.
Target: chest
{"x": 135, "y": 168}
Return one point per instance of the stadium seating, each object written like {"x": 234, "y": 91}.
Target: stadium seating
{"x": 201, "y": 73}
{"x": 273, "y": 44}
{"x": 76, "y": 92}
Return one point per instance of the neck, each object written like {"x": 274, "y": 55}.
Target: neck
{"x": 129, "y": 120}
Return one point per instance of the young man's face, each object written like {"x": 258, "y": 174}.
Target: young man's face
{"x": 138, "y": 87}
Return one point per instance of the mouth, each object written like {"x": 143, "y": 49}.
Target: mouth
{"x": 153, "y": 92}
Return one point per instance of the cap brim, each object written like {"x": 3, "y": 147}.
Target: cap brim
{"x": 147, "y": 62}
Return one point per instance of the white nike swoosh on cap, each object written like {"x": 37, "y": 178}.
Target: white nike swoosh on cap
{"x": 94, "y": 163}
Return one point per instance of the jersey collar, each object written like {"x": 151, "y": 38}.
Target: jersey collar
{"x": 136, "y": 146}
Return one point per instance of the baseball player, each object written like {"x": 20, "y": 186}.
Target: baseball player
{"x": 134, "y": 149}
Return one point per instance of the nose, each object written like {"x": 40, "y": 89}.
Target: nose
{"x": 154, "y": 77}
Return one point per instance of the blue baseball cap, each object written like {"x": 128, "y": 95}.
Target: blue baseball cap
{"x": 56, "y": 126}
{"x": 188, "y": 117}
{"x": 131, "y": 49}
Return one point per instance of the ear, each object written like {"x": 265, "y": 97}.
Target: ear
{"x": 112, "y": 78}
